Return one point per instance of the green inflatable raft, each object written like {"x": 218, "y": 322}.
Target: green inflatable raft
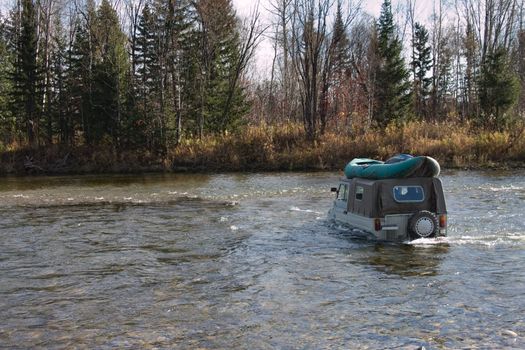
{"x": 400, "y": 166}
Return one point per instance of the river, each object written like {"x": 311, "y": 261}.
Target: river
{"x": 249, "y": 261}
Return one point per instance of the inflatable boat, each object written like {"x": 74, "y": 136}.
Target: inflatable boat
{"x": 398, "y": 167}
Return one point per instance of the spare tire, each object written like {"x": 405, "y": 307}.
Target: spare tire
{"x": 423, "y": 224}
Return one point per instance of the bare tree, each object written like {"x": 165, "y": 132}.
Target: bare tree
{"x": 283, "y": 12}
{"x": 310, "y": 40}
{"x": 363, "y": 59}
{"x": 133, "y": 9}
{"x": 494, "y": 23}
{"x": 47, "y": 11}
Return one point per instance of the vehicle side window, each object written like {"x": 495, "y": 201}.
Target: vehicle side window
{"x": 342, "y": 193}
{"x": 409, "y": 194}
{"x": 359, "y": 190}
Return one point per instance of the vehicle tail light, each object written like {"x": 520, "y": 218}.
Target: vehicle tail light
{"x": 443, "y": 220}
{"x": 377, "y": 224}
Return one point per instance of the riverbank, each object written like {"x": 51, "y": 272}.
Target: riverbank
{"x": 281, "y": 148}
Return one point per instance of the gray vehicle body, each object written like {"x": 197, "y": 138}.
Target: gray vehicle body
{"x": 392, "y": 209}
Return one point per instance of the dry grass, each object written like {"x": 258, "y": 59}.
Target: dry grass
{"x": 283, "y": 148}
{"x": 79, "y": 160}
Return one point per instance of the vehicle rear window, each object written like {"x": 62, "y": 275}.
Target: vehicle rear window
{"x": 408, "y": 194}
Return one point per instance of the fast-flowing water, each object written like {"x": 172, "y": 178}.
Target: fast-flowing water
{"x": 249, "y": 261}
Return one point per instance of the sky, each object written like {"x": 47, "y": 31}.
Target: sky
{"x": 264, "y": 54}
{"x": 372, "y": 7}
{"x": 243, "y": 6}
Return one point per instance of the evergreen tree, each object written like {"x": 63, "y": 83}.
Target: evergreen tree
{"x": 444, "y": 78}
{"x": 7, "y": 122}
{"x": 193, "y": 65}
{"x": 519, "y": 64}
{"x": 336, "y": 65}
{"x": 224, "y": 101}
{"x": 391, "y": 84}
{"x": 157, "y": 73}
{"x": 339, "y": 46}
{"x": 79, "y": 77}
{"x": 59, "y": 104}
{"x": 144, "y": 61}
{"x": 26, "y": 73}
{"x": 98, "y": 76}
{"x": 498, "y": 89}
{"x": 110, "y": 75}
{"x": 183, "y": 59}
{"x": 421, "y": 63}
{"x": 165, "y": 73}
{"x": 470, "y": 47}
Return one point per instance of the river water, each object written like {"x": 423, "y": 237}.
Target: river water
{"x": 249, "y": 261}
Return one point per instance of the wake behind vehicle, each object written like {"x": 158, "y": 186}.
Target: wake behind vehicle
{"x": 398, "y": 200}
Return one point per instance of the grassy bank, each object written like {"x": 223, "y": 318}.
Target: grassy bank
{"x": 283, "y": 148}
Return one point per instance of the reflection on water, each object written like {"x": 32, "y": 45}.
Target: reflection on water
{"x": 408, "y": 260}
{"x": 249, "y": 261}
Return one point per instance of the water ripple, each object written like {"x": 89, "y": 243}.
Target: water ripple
{"x": 249, "y": 261}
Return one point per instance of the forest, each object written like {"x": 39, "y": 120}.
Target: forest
{"x": 155, "y": 85}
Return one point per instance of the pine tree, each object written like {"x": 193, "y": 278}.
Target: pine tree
{"x": 339, "y": 46}
{"x": 519, "y": 52}
{"x": 144, "y": 57}
{"x": 224, "y": 101}
{"x": 7, "y": 120}
{"x": 183, "y": 59}
{"x": 192, "y": 65}
{"x": 59, "y": 104}
{"x": 152, "y": 48}
{"x": 26, "y": 73}
{"x": 421, "y": 63}
{"x": 98, "y": 76}
{"x": 444, "y": 78}
{"x": 190, "y": 61}
{"x": 336, "y": 65}
{"x": 471, "y": 48}
{"x": 79, "y": 77}
{"x": 110, "y": 75}
{"x": 498, "y": 89}
{"x": 391, "y": 84}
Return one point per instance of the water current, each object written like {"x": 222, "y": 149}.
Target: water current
{"x": 249, "y": 261}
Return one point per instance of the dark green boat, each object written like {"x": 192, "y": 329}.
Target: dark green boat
{"x": 398, "y": 167}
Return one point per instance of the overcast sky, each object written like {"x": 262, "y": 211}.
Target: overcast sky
{"x": 243, "y": 6}
{"x": 264, "y": 54}
{"x": 265, "y": 51}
